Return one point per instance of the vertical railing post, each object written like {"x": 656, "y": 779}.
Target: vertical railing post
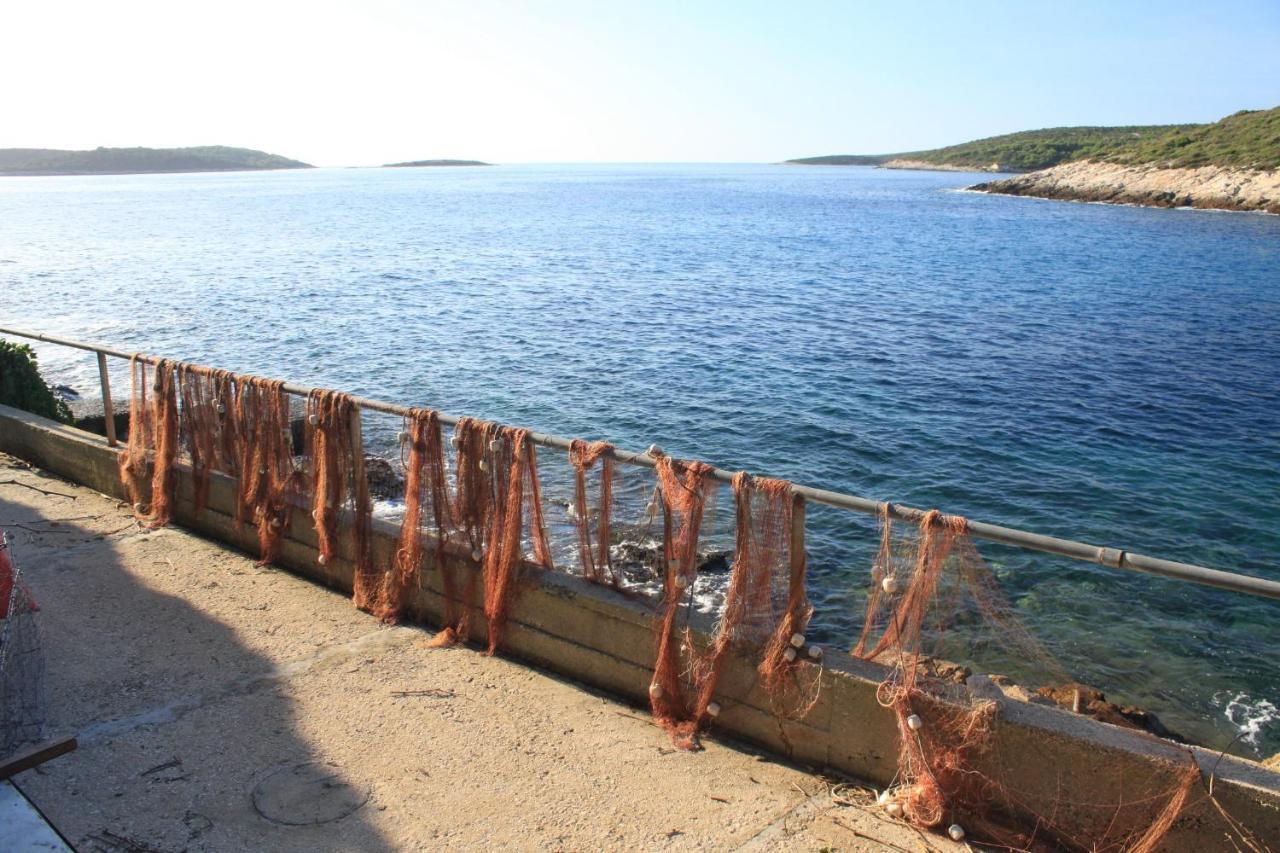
{"x": 108, "y": 412}
{"x": 357, "y": 444}
{"x": 796, "y": 549}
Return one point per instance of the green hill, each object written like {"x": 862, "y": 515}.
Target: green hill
{"x": 129, "y": 161}
{"x": 1019, "y": 152}
{"x": 1249, "y": 139}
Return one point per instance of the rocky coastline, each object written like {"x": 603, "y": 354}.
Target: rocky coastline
{"x": 1206, "y": 187}
{"x": 927, "y": 166}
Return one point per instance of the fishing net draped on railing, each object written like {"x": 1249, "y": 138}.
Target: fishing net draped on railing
{"x": 927, "y": 582}
{"x": 597, "y": 562}
{"x": 476, "y": 528}
{"x": 766, "y": 611}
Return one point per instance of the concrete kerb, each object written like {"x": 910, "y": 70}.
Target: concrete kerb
{"x": 602, "y": 638}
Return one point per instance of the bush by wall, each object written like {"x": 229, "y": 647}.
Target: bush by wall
{"x": 22, "y": 387}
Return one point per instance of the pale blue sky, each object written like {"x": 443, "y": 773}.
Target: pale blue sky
{"x": 358, "y": 83}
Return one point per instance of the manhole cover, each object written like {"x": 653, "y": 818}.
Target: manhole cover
{"x": 307, "y": 794}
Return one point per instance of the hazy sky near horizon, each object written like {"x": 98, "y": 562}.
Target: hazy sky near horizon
{"x": 364, "y": 82}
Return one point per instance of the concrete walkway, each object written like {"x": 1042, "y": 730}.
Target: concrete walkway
{"x": 221, "y": 706}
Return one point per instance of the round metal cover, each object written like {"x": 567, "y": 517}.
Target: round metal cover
{"x": 307, "y": 794}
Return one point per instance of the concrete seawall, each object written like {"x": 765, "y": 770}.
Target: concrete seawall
{"x": 605, "y": 639}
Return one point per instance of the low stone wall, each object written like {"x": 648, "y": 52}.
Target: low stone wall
{"x": 605, "y": 639}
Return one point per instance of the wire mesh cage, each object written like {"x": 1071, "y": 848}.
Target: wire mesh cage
{"x": 23, "y": 703}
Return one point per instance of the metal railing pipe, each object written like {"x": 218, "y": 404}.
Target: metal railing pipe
{"x": 1115, "y": 558}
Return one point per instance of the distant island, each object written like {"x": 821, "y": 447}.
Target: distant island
{"x": 413, "y": 163}
{"x": 137, "y": 161}
{"x": 1232, "y": 164}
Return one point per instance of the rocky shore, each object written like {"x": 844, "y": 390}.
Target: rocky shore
{"x": 926, "y": 166}
{"x": 1208, "y": 187}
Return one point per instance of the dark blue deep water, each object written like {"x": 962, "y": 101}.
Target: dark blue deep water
{"x": 1104, "y": 373}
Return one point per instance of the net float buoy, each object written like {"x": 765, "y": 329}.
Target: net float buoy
{"x": 495, "y": 445}
{"x": 889, "y": 584}
{"x": 262, "y": 470}
{"x": 275, "y": 522}
{"x": 139, "y": 507}
{"x": 314, "y": 420}
{"x": 403, "y": 436}
{"x": 220, "y": 409}
{"x": 797, "y": 640}
{"x": 713, "y": 709}
{"x": 893, "y": 810}
{"x": 322, "y": 559}
{"x": 654, "y": 450}
{"x": 484, "y": 465}
{"x": 453, "y": 441}
{"x": 915, "y": 723}
{"x": 789, "y": 654}
{"x": 681, "y": 581}
{"x": 956, "y": 831}
{"x": 885, "y": 796}
{"x": 655, "y": 690}
{"x": 571, "y": 511}
{"x": 476, "y": 554}
{"x": 815, "y": 652}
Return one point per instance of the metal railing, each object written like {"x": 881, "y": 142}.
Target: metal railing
{"x": 1116, "y": 558}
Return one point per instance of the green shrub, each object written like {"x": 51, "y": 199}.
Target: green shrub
{"x": 22, "y": 387}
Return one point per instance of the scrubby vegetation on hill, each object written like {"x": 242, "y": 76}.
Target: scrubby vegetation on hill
{"x": 1248, "y": 139}
{"x": 1025, "y": 151}
{"x": 107, "y": 161}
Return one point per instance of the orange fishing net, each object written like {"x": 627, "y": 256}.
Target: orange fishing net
{"x": 473, "y": 496}
{"x": 927, "y": 579}
{"x": 426, "y": 494}
{"x": 146, "y": 463}
{"x": 766, "y": 610}
{"x": 208, "y": 424}
{"x": 686, "y": 489}
{"x": 338, "y": 482}
{"x": 271, "y": 483}
{"x": 517, "y": 504}
{"x": 597, "y": 566}
{"x": 766, "y": 606}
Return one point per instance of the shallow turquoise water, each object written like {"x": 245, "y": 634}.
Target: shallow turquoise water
{"x": 1103, "y": 373}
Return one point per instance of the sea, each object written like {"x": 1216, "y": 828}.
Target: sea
{"x": 1102, "y": 373}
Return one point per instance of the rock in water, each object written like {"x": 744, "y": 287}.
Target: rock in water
{"x": 385, "y": 482}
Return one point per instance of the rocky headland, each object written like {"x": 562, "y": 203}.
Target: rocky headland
{"x": 1206, "y": 187}
{"x": 926, "y": 166}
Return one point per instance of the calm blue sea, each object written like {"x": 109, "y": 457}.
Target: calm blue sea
{"x": 1104, "y": 373}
